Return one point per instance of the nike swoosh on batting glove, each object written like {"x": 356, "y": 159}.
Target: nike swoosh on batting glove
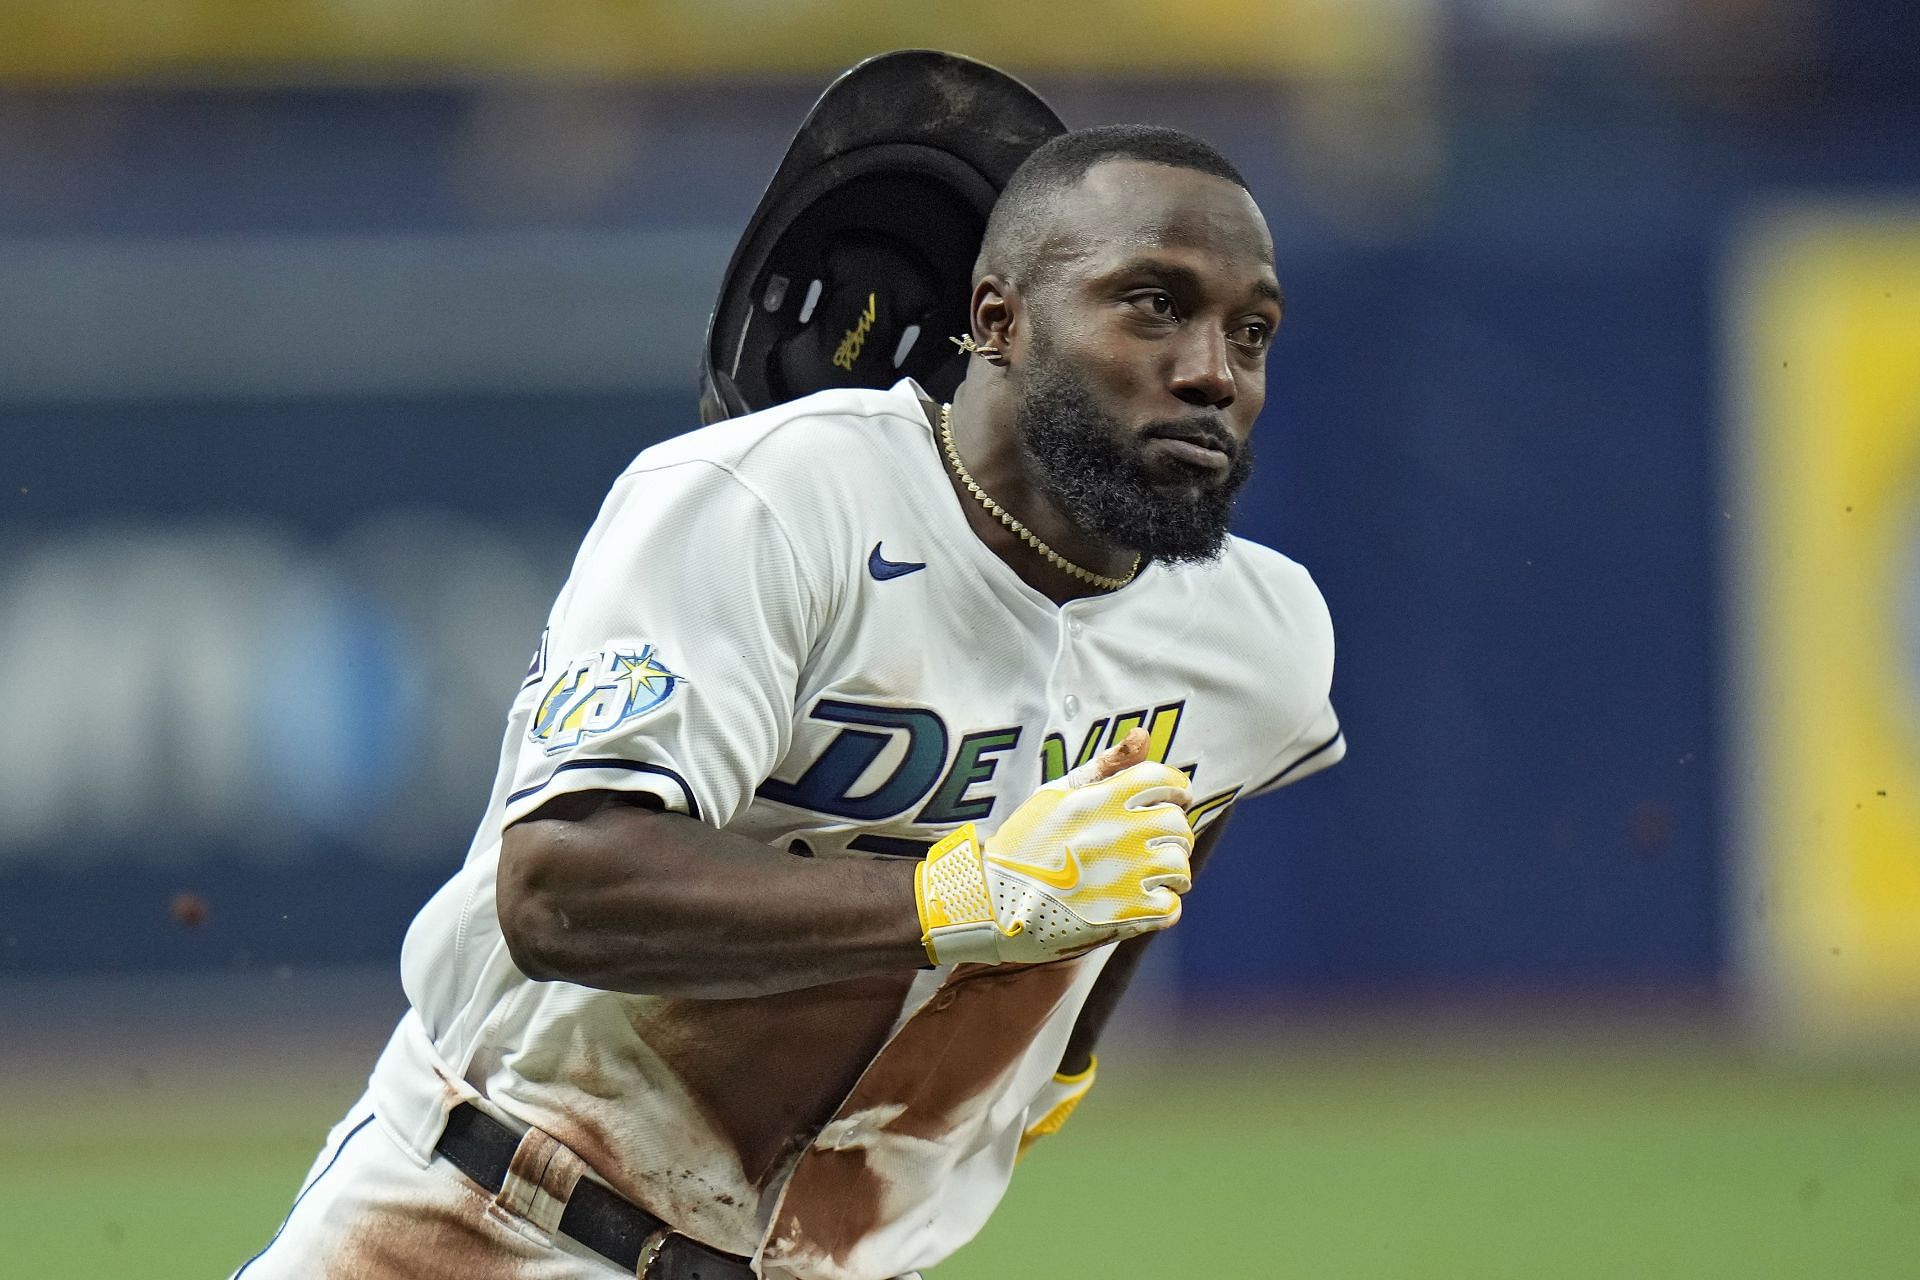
{"x": 1099, "y": 856}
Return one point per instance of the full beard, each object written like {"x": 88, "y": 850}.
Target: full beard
{"x": 1091, "y": 468}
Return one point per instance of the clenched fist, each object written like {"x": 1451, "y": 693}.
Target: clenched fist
{"x": 1096, "y": 857}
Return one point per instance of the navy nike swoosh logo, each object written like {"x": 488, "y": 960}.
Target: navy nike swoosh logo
{"x": 882, "y": 568}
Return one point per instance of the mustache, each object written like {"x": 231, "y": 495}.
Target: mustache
{"x": 1208, "y": 432}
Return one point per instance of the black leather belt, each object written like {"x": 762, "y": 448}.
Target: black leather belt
{"x": 609, "y": 1224}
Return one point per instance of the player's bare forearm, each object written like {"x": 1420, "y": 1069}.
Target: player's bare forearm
{"x": 608, "y": 894}
{"x": 1118, "y": 973}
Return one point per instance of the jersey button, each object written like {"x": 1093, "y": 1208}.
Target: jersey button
{"x": 942, "y": 1001}
{"x": 1071, "y": 706}
{"x": 1076, "y": 628}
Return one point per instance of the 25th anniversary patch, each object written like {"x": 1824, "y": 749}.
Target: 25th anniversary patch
{"x": 598, "y": 693}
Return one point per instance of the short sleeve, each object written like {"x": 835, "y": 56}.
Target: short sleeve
{"x": 1320, "y": 745}
{"x": 1315, "y": 742}
{"x": 670, "y": 661}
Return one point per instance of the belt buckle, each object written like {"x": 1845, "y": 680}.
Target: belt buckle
{"x": 650, "y": 1250}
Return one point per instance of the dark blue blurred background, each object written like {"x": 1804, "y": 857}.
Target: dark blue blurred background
{"x": 306, "y": 395}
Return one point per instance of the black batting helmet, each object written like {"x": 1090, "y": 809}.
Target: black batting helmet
{"x": 858, "y": 263}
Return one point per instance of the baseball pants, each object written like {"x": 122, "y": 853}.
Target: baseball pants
{"x": 366, "y": 1211}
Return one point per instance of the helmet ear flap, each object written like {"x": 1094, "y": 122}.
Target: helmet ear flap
{"x": 860, "y": 254}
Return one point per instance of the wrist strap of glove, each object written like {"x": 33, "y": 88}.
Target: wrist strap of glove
{"x": 950, "y": 890}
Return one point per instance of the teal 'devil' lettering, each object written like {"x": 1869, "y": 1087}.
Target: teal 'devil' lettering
{"x": 827, "y": 786}
{"x": 970, "y": 767}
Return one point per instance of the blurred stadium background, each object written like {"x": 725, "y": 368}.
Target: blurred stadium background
{"x": 324, "y": 325}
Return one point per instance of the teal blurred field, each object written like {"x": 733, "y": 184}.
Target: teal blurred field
{"x": 1470, "y": 1157}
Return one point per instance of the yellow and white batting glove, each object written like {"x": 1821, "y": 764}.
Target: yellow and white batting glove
{"x": 1096, "y": 857}
{"x": 1056, "y": 1102}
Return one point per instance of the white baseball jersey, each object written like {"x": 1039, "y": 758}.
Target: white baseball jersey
{"x": 784, "y": 626}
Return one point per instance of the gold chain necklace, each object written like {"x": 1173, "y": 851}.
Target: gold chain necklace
{"x": 1021, "y": 531}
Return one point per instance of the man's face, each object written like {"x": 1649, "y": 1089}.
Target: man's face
{"x": 1145, "y": 362}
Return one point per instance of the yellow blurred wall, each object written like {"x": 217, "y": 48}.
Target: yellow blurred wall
{"x": 55, "y": 41}
{"x": 1828, "y": 339}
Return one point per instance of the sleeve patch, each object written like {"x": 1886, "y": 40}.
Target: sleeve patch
{"x": 599, "y": 693}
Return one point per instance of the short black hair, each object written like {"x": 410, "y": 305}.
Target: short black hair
{"x": 1060, "y": 163}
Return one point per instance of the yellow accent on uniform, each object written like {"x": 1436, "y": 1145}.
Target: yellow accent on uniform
{"x": 1205, "y": 810}
{"x": 1160, "y": 730}
{"x": 1053, "y": 751}
{"x": 646, "y": 671}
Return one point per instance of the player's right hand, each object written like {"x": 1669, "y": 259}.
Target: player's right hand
{"x": 1099, "y": 856}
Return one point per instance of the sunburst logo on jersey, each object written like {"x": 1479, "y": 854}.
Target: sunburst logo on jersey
{"x": 598, "y": 693}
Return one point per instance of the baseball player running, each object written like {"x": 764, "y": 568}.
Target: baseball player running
{"x": 866, "y": 745}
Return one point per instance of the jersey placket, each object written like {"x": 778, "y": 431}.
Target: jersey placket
{"x": 1066, "y": 677}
